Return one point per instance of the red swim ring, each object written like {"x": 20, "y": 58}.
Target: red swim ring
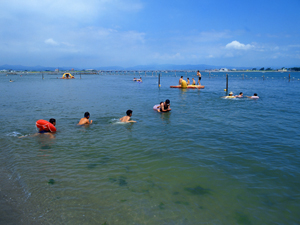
{"x": 44, "y": 125}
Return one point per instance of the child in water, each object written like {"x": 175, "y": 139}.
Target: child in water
{"x": 85, "y": 119}
{"x": 126, "y": 119}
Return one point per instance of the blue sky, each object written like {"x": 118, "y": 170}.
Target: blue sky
{"x": 94, "y": 33}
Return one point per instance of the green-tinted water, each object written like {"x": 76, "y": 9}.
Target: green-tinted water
{"x": 208, "y": 161}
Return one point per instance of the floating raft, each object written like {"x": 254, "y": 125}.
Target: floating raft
{"x": 189, "y": 86}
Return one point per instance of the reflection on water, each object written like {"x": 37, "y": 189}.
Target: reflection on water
{"x": 209, "y": 160}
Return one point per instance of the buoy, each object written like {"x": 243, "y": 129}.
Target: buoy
{"x": 225, "y": 89}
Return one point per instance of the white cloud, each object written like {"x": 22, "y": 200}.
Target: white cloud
{"x": 238, "y": 45}
{"x": 50, "y": 41}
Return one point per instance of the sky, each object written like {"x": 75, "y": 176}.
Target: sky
{"x": 99, "y": 33}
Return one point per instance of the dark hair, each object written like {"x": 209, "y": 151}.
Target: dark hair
{"x": 198, "y": 71}
{"x": 241, "y": 93}
{"x": 181, "y": 76}
{"x": 168, "y": 101}
{"x": 86, "y": 114}
{"x": 255, "y": 94}
{"x": 128, "y": 112}
{"x": 52, "y": 120}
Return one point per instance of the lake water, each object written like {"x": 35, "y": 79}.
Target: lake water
{"x": 209, "y": 161}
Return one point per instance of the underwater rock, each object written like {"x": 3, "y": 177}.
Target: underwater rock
{"x": 198, "y": 190}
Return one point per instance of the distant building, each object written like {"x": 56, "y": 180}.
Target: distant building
{"x": 56, "y": 70}
{"x": 223, "y": 70}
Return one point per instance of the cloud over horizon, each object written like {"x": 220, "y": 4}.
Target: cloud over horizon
{"x": 239, "y": 46}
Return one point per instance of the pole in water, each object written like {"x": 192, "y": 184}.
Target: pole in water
{"x": 289, "y": 77}
{"x": 226, "y": 84}
{"x": 243, "y": 76}
{"x": 42, "y": 75}
{"x": 80, "y": 75}
{"x": 158, "y": 80}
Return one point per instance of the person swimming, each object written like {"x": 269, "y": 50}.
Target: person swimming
{"x": 255, "y": 96}
{"x": 44, "y": 128}
{"x": 85, "y": 119}
{"x": 164, "y": 106}
{"x": 229, "y": 96}
{"x": 126, "y": 119}
{"x": 240, "y": 95}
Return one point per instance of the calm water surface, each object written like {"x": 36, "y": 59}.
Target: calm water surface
{"x": 209, "y": 161}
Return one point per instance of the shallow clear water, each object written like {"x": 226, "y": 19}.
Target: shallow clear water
{"x": 209, "y": 161}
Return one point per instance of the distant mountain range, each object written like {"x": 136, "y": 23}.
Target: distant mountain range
{"x": 140, "y": 67}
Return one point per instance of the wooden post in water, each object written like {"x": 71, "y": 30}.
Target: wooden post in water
{"x": 42, "y": 75}
{"x": 263, "y": 77}
{"x": 243, "y": 76}
{"x": 289, "y": 77}
{"x": 158, "y": 80}
{"x": 226, "y": 84}
{"x": 80, "y": 75}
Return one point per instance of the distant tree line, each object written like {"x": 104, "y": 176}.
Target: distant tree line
{"x": 269, "y": 69}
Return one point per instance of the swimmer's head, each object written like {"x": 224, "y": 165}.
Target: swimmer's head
{"x": 188, "y": 78}
{"x": 181, "y": 76}
{"x": 255, "y": 94}
{"x": 53, "y": 121}
{"x": 86, "y": 114}
{"x": 168, "y": 102}
{"x": 241, "y": 93}
{"x": 231, "y": 93}
{"x": 129, "y": 112}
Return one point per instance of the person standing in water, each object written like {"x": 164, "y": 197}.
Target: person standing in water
{"x": 126, "y": 119}
{"x": 85, "y": 119}
{"x": 199, "y": 77}
{"x": 188, "y": 81}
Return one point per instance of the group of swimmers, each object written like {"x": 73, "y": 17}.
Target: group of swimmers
{"x": 241, "y": 95}
{"x": 163, "y": 107}
{"x": 139, "y": 80}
